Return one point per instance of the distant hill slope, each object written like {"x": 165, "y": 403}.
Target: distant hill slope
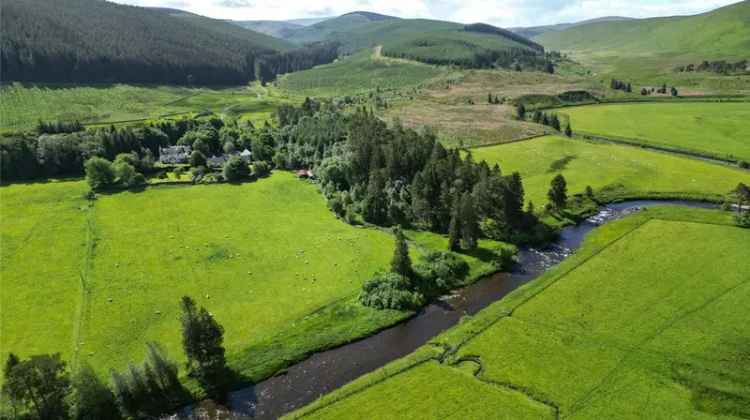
{"x": 330, "y": 28}
{"x": 722, "y": 33}
{"x": 89, "y": 41}
{"x": 438, "y": 42}
{"x": 534, "y": 31}
{"x": 275, "y": 28}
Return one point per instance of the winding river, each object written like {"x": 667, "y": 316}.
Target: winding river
{"x": 323, "y": 372}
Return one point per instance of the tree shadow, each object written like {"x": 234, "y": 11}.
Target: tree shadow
{"x": 561, "y": 164}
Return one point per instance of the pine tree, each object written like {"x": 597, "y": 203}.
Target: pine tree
{"x": 203, "y": 339}
{"x": 401, "y": 262}
{"x": 555, "y": 122}
{"x": 92, "y": 399}
{"x": 454, "y": 230}
{"x": 375, "y": 209}
{"x": 558, "y": 192}
{"x": 489, "y": 99}
{"x": 568, "y": 130}
{"x": 513, "y": 199}
{"x": 521, "y": 112}
{"x": 469, "y": 222}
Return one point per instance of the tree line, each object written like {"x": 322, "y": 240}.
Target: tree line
{"x": 660, "y": 90}
{"x": 394, "y": 176}
{"x": 620, "y": 85}
{"x": 509, "y": 58}
{"x": 42, "y": 387}
{"x": 54, "y": 151}
{"x": 719, "y": 66}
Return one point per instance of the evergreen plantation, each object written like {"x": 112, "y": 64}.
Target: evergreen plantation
{"x": 89, "y": 41}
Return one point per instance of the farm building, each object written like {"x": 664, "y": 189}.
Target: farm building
{"x": 174, "y": 154}
{"x": 216, "y": 161}
{"x": 305, "y": 174}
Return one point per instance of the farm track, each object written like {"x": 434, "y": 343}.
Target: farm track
{"x": 84, "y": 310}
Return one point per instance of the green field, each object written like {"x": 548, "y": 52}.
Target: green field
{"x": 646, "y": 320}
{"x": 268, "y": 259}
{"x": 613, "y": 171}
{"x": 648, "y": 50}
{"x": 362, "y": 72}
{"x": 716, "y": 129}
{"x": 22, "y": 106}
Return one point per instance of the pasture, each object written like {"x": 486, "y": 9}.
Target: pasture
{"x": 268, "y": 259}
{"x": 613, "y": 171}
{"x": 259, "y": 256}
{"x": 715, "y": 129}
{"x": 645, "y": 320}
{"x": 24, "y": 105}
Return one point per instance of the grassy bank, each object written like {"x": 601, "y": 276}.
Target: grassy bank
{"x": 659, "y": 338}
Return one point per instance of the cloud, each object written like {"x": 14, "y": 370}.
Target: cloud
{"x": 234, "y": 3}
{"x": 324, "y": 12}
{"x": 505, "y": 13}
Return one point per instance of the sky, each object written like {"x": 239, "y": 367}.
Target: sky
{"x": 504, "y": 13}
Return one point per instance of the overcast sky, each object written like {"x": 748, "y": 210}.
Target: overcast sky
{"x": 506, "y": 13}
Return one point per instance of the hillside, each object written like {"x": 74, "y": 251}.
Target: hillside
{"x": 84, "y": 41}
{"x": 443, "y": 43}
{"x": 534, "y": 31}
{"x": 274, "y": 28}
{"x": 335, "y": 27}
{"x": 722, "y": 33}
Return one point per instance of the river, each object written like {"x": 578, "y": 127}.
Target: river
{"x": 323, "y": 372}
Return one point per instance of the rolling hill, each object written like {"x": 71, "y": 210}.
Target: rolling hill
{"x": 721, "y": 34}
{"x": 275, "y": 28}
{"x": 85, "y": 41}
{"x": 433, "y": 41}
{"x": 534, "y": 31}
{"x": 336, "y": 27}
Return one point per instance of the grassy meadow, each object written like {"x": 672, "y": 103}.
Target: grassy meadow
{"x": 645, "y": 320}
{"x": 259, "y": 256}
{"x": 361, "y": 72}
{"x": 268, "y": 259}
{"x": 22, "y": 106}
{"x": 613, "y": 171}
{"x": 716, "y": 129}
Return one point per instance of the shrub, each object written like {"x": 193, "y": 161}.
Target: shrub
{"x": 743, "y": 164}
{"x": 125, "y": 173}
{"x": 390, "y": 291}
{"x": 235, "y": 169}
{"x": 743, "y": 219}
{"x": 440, "y": 272}
{"x": 197, "y": 159}
{"x": 99, "y": 173}
{"x": 261, "y": 169}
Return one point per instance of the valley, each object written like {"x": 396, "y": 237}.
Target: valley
{"x": 372, "y": 215}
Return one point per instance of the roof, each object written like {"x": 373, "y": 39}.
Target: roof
{"x": 246, "y": 153}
